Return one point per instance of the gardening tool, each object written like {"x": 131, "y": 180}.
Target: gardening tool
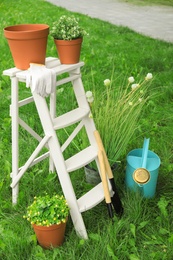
{"x": 105, "y": 183}
{"x": 115, "y": 199}
{"x": 142, "y": 175}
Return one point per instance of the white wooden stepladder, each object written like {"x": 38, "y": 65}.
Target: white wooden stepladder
{"x": 50, "y": 124}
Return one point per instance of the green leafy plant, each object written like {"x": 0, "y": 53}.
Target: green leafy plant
{"x": 47, "y": 210}
{"x": 67, "y": 28}
{"x": 117, "y": 112}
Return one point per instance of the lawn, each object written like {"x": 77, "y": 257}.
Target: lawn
{"x": 145, "y": 230}
{"x": 150, "y": 2}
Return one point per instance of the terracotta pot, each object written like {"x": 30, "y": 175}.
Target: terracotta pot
{"x": 68, "y": 51}
{"x": 52, "y": 236}
{"x": 27, "y": 43}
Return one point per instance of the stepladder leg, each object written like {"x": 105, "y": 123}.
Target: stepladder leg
{"x": 14, "y": 113}
{"x": 72, "y": 202}
{"x": 70, "y": 196}
{"x": 67, "y": 187}
{"x": 51, "y": 165}
{"x": 78, "y": 222}
{"x": 15, "y": 192}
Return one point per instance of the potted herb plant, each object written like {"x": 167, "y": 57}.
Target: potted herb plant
{"x": 48, "y": 216}
{"x": 68, "y": 37}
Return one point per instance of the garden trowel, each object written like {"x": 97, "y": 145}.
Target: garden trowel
{"x": 115, "y": 199}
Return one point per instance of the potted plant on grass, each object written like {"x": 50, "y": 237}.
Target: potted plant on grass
{"x": 68, "y": 37}
{"x": 48, "y": 216}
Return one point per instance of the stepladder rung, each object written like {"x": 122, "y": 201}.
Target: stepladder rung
{"x": 81, "y": 159}
{"x": 92, "y": 198}
{"x": 70, "y": 118}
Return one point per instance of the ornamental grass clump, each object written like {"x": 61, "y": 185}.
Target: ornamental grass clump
{"x": 67, "y": 28}
{"x": 117, "y": 112}
{"x": 47, "y": 210}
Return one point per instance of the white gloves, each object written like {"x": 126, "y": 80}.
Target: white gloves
{"x": 41, "y": 80}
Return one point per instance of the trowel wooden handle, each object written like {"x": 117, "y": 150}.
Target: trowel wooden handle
{"x": 103, "y": 177}
{"x": 101, "y": 147}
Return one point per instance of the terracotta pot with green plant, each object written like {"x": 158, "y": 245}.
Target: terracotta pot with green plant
{"x": 68, "y": 37}
{"x": 48, "y": 217}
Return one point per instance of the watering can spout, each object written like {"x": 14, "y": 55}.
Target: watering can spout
{"x": 145, "y": 152}
{"x": 141, "y": 175}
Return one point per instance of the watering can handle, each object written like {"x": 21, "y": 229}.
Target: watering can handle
{"x": 145, "y": 152}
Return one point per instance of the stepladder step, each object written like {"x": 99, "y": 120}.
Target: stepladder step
{"x": 81, "y": 159}
{"x": 70, "y": 118}
{"x": 92, "y": 198}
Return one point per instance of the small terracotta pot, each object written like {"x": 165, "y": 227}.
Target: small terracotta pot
{"x": 68, "y": 51}
{"x": 27, "y": 43}
{"x": 52, "y": 236}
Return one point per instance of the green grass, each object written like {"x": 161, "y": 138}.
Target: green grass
{"x": 149, "y": 2}
{"x": 145, "y": 230}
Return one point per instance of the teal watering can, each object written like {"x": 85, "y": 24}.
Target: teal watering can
{"x": 142, "y": 170}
